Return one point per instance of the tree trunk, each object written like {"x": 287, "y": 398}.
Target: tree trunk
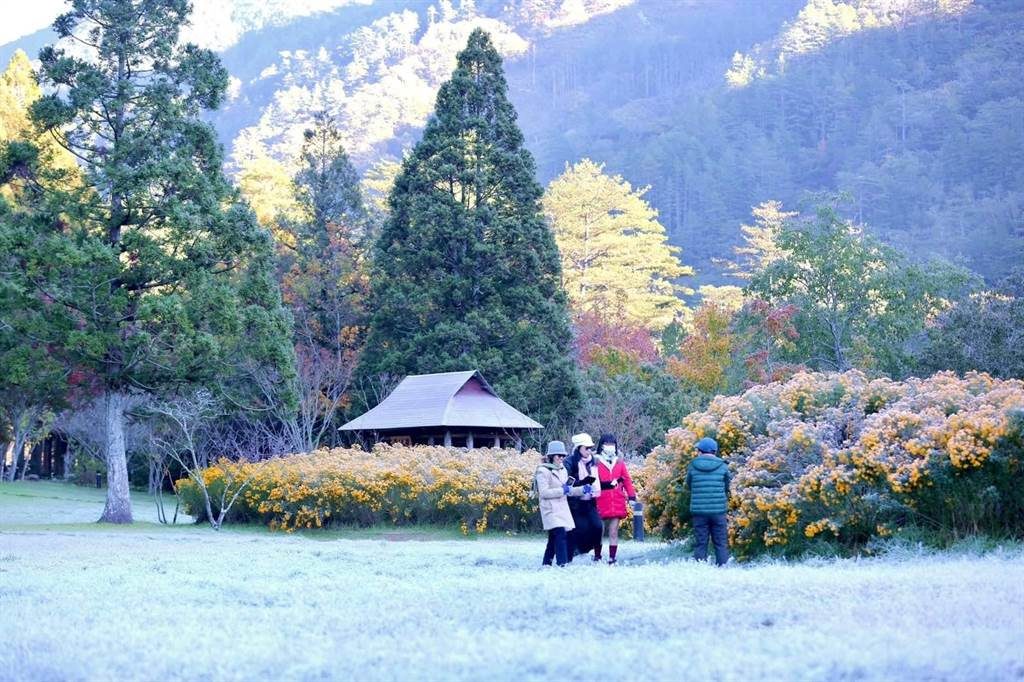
{"x": 155, "y": 473}
{"x": 119, "y": 505}
{"x": 4, "y": 444}
{"x": 26, "y": 458}
{"x": 19, "y": 451}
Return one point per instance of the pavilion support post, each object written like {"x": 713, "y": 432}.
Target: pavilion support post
{"x": 447, "y": 439}
{"x": 469, "y": 441}
{"x": 497, "y": 442}
{"x": 430, "y": 440}
{"x": 519, "y": 443}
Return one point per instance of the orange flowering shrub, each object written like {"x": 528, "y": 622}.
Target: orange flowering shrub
{"x": 476, "y": 489}
{"x": 845, "y": 458}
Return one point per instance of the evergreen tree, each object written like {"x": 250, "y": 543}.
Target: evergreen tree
{"x": 760, "y": 248}
{"x": 466, "y": 272}
{"x": 615, "y": 254}
{"x": 161, "y": 275}
{"x": 32, "y": 382}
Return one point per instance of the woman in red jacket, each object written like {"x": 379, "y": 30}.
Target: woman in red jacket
{"x": 616, "y": 489}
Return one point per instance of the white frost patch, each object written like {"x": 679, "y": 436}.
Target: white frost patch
{"x": 193, "y": 604}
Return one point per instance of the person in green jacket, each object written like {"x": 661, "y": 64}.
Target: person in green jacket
{"x": 707, "y": 477}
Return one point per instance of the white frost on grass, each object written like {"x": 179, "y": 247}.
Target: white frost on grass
{"x": 46, "y": 503}
{"x": 188, "y": 604}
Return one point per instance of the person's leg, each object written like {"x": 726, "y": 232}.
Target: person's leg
{"x": 596, "y": 531}
{"x": 720, "y": 538}
{"x": 570, "y": 544}
{"x": 560, "y": 553}
{"x": 700, "y": 537}
{"x": 613, "y": 539}
{"x": 581, "y": 539}
{"x": 549, "y": 550}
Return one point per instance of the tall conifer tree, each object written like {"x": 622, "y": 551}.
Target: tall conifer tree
{"x": 466, "y": 272}
{"x": 616, "y": 258}
{"x": 156, "y": 272}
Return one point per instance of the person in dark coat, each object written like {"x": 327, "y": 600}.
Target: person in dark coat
{"x": 582, "y": 465}
{"x": 708, "y": 478}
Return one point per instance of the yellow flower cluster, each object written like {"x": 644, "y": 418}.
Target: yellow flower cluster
{"x": 850, "y": 458}
{"x": 475, "y": 489}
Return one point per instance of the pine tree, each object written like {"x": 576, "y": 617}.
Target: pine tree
{"x": 466, "y": 272}
{"x": 615, "y": 254}
{"x": 161, "y": 274}
{"x": 760, "y": 249}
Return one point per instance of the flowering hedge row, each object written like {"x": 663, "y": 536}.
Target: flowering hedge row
{"x": 392, "y": 484}
{"x": 845, "y": 458}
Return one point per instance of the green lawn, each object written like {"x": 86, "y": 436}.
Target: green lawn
{"x": 50, "y": 503}
{"x": 54, "y": 506}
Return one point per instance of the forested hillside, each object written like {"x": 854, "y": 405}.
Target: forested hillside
{"x": 913, "y": 107}
{"x": 919, "y": 118}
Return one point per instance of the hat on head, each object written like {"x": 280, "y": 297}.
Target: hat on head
{"x": 582, "y": 440}
{"x": 555, "y": 447}
{"x": 708, "y": 445}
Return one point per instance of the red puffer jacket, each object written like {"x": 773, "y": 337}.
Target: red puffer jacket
{"x": 616, "y": 487}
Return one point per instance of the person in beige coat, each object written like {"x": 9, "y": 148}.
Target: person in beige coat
{"x": 553, "y": 488}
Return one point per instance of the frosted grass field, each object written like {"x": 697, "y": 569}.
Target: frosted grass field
{"x": 81, "y": 602}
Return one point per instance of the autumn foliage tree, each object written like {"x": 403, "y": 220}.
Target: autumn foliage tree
{"x": 768, "y": 337}
{"x": 324, "y": 280}
{"x": 615, "y": 253}
{"x": 596, "y": 335}
{"x": 706, "y": 354}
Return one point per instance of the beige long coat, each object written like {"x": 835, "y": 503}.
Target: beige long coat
{"x": 554, "y": 509}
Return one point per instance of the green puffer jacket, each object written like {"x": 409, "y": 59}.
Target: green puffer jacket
{"x": 707, "y": 477}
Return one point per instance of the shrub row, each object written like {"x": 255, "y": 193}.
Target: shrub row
{"x": 845, "y": 459}
{"x": 398, "y": 485}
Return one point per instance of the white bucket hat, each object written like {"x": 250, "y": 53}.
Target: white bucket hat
{"x": 582, "y": 439}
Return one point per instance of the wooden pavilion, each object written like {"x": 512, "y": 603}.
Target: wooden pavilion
{"x": 454, "y": 409}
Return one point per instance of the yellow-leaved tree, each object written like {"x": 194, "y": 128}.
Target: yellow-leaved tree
{"x": 267, "y": 185}
{"x": 18, "y": 90}
{"x": 615, "y": 253}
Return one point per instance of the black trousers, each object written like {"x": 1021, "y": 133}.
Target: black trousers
{"x": 716, "y": 525}
{"x": 556, "y": 548}
{"x": 587, "y": 534}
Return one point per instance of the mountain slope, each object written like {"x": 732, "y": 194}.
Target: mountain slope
{"x": 913, "y": 107}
